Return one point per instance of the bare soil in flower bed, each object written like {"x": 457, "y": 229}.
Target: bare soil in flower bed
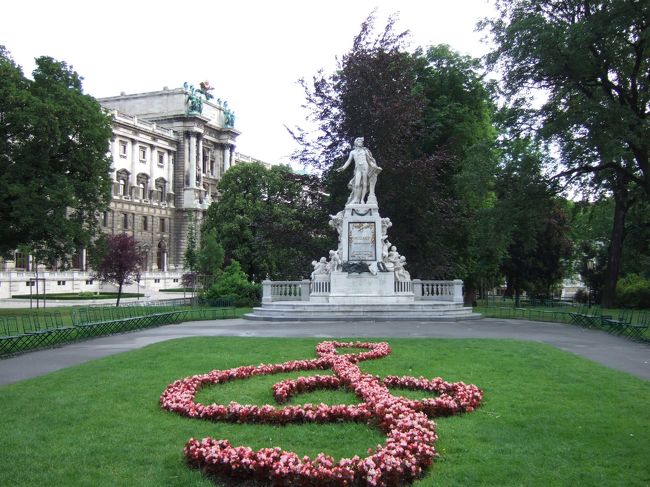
{"x": 548, "y": 418}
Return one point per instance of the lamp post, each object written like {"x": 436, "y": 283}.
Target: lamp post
{"x": 137, "y": 279}
{"x": 590, "y": 268}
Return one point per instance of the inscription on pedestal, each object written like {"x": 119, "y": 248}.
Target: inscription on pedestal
{"x": 361, "y": 241}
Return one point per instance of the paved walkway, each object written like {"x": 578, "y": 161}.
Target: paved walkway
{"x": 615, "y": 352}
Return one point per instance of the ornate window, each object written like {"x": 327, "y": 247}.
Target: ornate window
{"x": 143, "y": 154}
{"x": 122, "y": 177}
{"x": 123, "y": 149}
{"x": 21, "y": 261}
{"x": 161, "y": 158}
{"x": 77, "y": 260}
{"x": 145, "y": 223}
{"x": 143, "y": 184}
{"x": 161, "y": 187}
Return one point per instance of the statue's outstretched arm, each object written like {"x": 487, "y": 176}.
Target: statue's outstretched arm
{"x": 347, "y": 163}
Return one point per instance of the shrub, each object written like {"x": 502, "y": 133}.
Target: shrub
{"x": 633, "y": 291}
{"x": 235, "y": 283}
{"x": 581, "y": 296}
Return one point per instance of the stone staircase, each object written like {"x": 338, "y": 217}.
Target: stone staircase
{"x": 413, "y": 311}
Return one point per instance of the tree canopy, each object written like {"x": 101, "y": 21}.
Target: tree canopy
{"x": 269, "y": 220}
{"x": 54, "y": 167}
{"x": 592, "y": 61}
{"x": 592, "y": 58}
{"x": 426, "y": 117}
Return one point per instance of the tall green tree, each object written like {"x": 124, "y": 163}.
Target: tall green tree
{"x": 538, "y": 248}
{"x": 592, "y": 59}
{"x": 210, "y": 255}
{"x": 54, "y": 167}
{"x": 270, "y": 220}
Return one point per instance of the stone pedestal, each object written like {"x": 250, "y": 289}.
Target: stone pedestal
{"x": 365, "y": 288}
{"x": 361, "y": 234}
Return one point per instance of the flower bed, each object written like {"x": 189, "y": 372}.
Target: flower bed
{"x": 407, "y": 451}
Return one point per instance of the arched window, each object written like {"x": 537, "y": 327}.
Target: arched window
{"x": 143, "y": 185}
{"x": 161, "y": 188}
{"x": 122, "y": 177}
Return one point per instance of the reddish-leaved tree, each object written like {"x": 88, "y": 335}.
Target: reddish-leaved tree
{"x": 120, "y": 263}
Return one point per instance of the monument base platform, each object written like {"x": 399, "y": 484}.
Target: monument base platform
{"x": 413, "y": 311}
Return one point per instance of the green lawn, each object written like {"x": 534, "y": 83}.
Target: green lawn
{"x": 549, "y": 418}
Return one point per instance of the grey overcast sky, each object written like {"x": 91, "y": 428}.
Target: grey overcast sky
{"x": 251, "y": 51}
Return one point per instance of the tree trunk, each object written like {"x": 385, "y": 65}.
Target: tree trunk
{"x": 119, "y": 295}
{"x": 470, "y": 295}
{"x": 615, "y": 251}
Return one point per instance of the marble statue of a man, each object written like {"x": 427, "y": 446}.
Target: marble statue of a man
{"x": 365, "y": 173}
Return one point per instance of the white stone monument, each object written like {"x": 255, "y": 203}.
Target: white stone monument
{"x": 365, "y": 277}
{"x": 365, "y": 273}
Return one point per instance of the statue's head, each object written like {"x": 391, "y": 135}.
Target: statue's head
{"x": 323, "y": 259}
{"x": 393, "y": 249}
{"x": 358, "y": 142}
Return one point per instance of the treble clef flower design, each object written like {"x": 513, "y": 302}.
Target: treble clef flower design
{"x": 410, "y": 433}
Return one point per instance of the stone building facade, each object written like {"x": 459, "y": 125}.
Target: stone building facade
{"x": 169, "y": 149}
{"x": 167, "y": 158}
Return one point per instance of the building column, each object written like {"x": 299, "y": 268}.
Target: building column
{"x": 226, "y": 158}
{"x": 192, "y": 161}
{"x": 135, "y": 157}
{"x": 186, "y": 161}
{"x": 153, "y": 163}
{"x": 115, "y": 153}
{"x": 200, "y": 160}
{"x": 170, "y": 173}
{"x": 232, "y": 155}
{"x": 208, "y": 154}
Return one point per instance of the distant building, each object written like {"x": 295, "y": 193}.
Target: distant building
{"x": 169, "y": 150}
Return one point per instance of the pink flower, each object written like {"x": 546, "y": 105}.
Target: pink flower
{"x": 410, "y": 434}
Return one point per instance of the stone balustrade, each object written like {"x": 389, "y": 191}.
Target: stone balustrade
{"x": 423, "y": 290}
{"x": 285, "y": 291}
{"x": 438, "y": 290}
{"x": 318, "y": 287}
{"x": 403, "y": 287}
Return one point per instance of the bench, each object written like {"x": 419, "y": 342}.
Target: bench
{"x": 34, "y": 331}
{"x": 588, "y": 317}
{"x": 95, "y": 321}
{"x": 626, "y": 325}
